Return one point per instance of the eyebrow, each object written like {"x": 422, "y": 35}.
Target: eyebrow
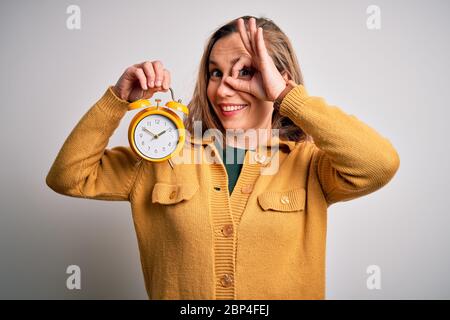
{"x": 232, "y": 61}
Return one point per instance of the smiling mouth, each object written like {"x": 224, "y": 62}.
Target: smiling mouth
{"x": 232, "y": 109}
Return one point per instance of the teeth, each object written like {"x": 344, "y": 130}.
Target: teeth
{"x": 232, "y": 108}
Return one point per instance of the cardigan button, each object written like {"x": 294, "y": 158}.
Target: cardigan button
{"x": 227, "y": 230}
{"x": 260, "y": 158}
{"x": 284, "y": 199}
{"x": 172, "y": 195}
{"x": 248, "y": 188}
{"x": 226, "y": 280}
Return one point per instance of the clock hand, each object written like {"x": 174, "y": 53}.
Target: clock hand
{"x": 154, "y": 135}
{"x": 159, "y": 134}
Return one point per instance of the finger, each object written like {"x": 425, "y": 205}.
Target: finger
{"x": 249, "y": 36}
{"x": 159, "y": 72}
{"x": 167, "y": 79}
{"x": 252, "y": 30}
{"x": 260, "y": 43}
{"x": 149, "y": 73}
{"x": 140, "y": 75}
{"x": 244, "y": 35}
{"x": 237, "y": 84}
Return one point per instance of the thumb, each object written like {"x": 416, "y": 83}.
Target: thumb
{"x": 238, "y": 84}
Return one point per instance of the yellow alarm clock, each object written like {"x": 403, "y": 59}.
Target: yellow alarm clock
{"x": 157, "y": 133}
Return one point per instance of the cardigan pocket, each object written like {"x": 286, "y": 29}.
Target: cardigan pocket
{"x": 165, "y": 193}
{"x": 286, "y": 201}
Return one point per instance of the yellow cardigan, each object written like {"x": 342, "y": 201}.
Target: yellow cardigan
{"x": 266, "y": 240}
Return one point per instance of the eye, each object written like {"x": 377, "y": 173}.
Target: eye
{"x": 243, "y": 72}
{"x": 247, "y": 70}
{"x": 211, "y": 73}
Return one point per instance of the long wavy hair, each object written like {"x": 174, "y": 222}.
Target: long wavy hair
{"x": 279, "y": 48}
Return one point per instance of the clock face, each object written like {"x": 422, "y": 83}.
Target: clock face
{"x": 156, "y": 136}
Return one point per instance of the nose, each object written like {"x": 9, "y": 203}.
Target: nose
{"x": 224, "y": 89}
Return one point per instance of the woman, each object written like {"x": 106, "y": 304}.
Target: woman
{"x": 263, "y": 237}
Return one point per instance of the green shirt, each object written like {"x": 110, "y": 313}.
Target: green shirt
{"x": 233, "y": 158}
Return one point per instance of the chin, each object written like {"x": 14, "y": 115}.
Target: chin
{"x": 235, "y": 126}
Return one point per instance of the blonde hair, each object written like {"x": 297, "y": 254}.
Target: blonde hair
{"x": 279, "y": 48}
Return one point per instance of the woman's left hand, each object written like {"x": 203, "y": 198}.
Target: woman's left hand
{"x": 266, "y": 83}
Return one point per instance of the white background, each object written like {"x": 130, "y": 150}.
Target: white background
{"x": 394, "y": 79}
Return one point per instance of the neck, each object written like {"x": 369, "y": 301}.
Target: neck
{"x": 249, "y": 139}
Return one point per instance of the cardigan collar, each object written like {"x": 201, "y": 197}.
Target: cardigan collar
{"x": 284, "y": 145}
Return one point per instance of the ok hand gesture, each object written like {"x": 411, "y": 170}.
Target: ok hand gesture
{"x": 267, "y": 82}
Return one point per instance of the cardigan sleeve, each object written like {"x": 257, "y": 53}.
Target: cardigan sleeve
{"x": 350, "y": 158}
{"x": 84, "y": 167}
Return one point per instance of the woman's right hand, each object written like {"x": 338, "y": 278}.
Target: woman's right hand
{"x": 142, "y": 80}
